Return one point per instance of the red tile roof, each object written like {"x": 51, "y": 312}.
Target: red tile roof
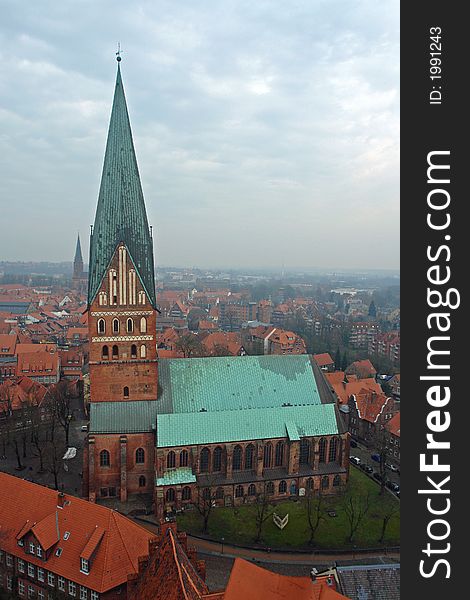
{"x": 362, "y": 368}
{"x": 345, "y": 390}
{"x": 393, "y": 425}
{"x": 370, "y": 405}
{"x": 323, "y": 360}
{"x": 115, "y": 558}
{"x": 250, "y": 582}
{"x": 8, "y": 344}
{"x": 38, "y": 364}
{"x": 20, "y": 390}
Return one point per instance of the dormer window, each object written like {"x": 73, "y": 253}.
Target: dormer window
{"x": 21, "y": 543}
{"x": 84, "y": 565}
{"x": 31, "y": 547}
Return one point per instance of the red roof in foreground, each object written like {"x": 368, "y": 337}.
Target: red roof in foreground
{"x": 250, "y": 582}
{"x": 323, "y": 360}
{"x": 35, "y": 509}
{"x": 393, "y": 425}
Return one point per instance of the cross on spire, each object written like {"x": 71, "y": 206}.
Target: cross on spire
{"x": 118, "y": 53}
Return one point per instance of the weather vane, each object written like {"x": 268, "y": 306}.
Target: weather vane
{"x": 118, "y": 53}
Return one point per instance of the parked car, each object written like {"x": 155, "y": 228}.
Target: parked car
{"x": 392, "y": 468}
{"x": 393, "y": 486}
{"x": 355, "y": 460}
{"x": 398, "y": 494}
{"x": 84, "y": 427}
{"x": 367, "y": 469}
{"x": 353, "y": 444}
{"x": 375, "y": 457}
{"x": 378, "y": 476}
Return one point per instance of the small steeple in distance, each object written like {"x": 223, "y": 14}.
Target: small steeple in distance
{"x": 121, "y": 217}
{"x": 78, "y": 261}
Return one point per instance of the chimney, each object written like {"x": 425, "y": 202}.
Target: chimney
{"x": 60, "y": 500}
{"x": 313, "y": 574}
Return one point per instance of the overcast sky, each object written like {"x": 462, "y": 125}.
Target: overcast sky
{"x": 267, "y": 132}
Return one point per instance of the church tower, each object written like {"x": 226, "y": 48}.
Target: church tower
{"x": 121, "y": 282}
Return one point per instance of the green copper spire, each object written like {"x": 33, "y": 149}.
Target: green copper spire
{"x": 120, "y": 214}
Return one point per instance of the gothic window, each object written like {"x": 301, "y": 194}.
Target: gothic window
{"x": 133, "y": 351}
{"x": 282, "y": 487}
{"x": 293, "y": 488}
{"x": 239, "y": 491}
{"x": 332, "y": 455}
{"x": 115, "y": 352}
{"x": 219, "y": 493}
{"x": 270, "y": 488}
{"x": 104, "y": 458}
{"x": 126, "y": 392}
{"x": 325, "y": 482}
{"x": 170, "y": 495}
{"x": 142, "y": 481}
{"x": 101, "y": 326}
{"x": 143, "y": 325}
{"x": 249, "y": 453}
{"x": 143, "y": 351}
{"x": 268, "y": 456}
{"x": 279, "y": 460}
{"x": 310, "y": 483}
{"x": 183, "y": 458}
{"x": 205, "y": 459}
{"x": 217, "y": 460}
{"x": 206, "y": 493}
{"x": 115, "y": 325}
{"x": 171, "y": 460}
{"x": 304, "y": 451}
{"x": 237, "y": 458}
{"x": 336, "y": 481}
{"x": 140, "y": 456}
{"x": 141, "y": 297}
{"x": 251, "y": 490}
{"x": 130, "y": 326}
{"x": 322, "y": 448}
{"x": 105, "y": 353}
{"x": 186, "y": 495}
{"x": 103, "y": 299}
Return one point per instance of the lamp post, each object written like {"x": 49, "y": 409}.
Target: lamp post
{"x": 222, "y": 542}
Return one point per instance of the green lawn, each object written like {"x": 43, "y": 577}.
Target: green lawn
{"x": 238, "y": 525}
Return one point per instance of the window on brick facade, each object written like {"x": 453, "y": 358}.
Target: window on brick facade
{"x": 126, "y": 392}
{"x": 140, "y": 456}
{"x": 143, "y": 325}
{"x": 40, "y": 574}
{"x": 41, "y": 594}
{"x": 142, "y": 481}
{"x": 20, "y": 588}
{"x": 72, "y": 588}
{"x": 115, "y": 325}
{"x": 101, "y": 326}
{"x": 217, "y": 460}
{"x": 322, "y": 450}
{"x": 115, "y": 352}
{"x": 61, "y": 584}
{"x": 94, "y": 595}
{"x": 333, "y": 452}
{"x": 105, "y": 353}
{"x": 325, "y": 482}
{"x": 186, "y": 494}
{"x": 170, "y": 495}
{"x": 310, "y": 483}
{"x": 237, "y": 458}
{"x": 206, "y": 493}
{"x": 282, "y": 487}
{"x": 133, "y": 351}
{"x": 104, "y": 458}
{"x": 219, "y": 493}
{"x": 270, "y": 488}
{"x": 184, "y": 458}
{"x": 129, "y": 325}
{"x": 50, "y": 579}
{"x": 204, "y": 461}
{"x": 267, "y": 455}
{"x": 336, "y": 481}
{"x": 30, "y": 570}
{"x": 20, "y": 565}
{"x": 143, "y": 351}
{"x": 31, "y": 547}
{"x": 239, "y": 491}
{"x": 249, "y": 454}
{"x": 252, "y": 489}
{"x": 39, "y": 551}
{"x": 279, "y": 458}
{"x": 171, "y": 460}
{"x": 83, "y": 593}
{"x": 304, "y": 451}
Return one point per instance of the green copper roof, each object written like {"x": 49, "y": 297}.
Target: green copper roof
{"x": 123, "y": 417}
{"x": 177, "y": 477}
{"x": 256, "y": 424}
{"x": 120, "y": 214}
{"x": 236, "y": 382}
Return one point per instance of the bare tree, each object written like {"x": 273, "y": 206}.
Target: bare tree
{"x": 6, "y": 413}
{"x": 262, "y": 513}
{"x": 315, "y": 511}
{"x": 356, "y": 508}
{"x": 52, "y": 459}
{"x": 204, "y": 505}
{"x": 189, "y": 345}
{"x": 391, "y": 510}
{"x": 220, "y": 350}
{"x": 61, "y": 406}
{"x": 378, "y": 438}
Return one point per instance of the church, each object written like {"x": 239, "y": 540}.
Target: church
{"x": 219, "y": 430}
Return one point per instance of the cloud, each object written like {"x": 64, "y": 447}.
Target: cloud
{"x": 266, "y": 130}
